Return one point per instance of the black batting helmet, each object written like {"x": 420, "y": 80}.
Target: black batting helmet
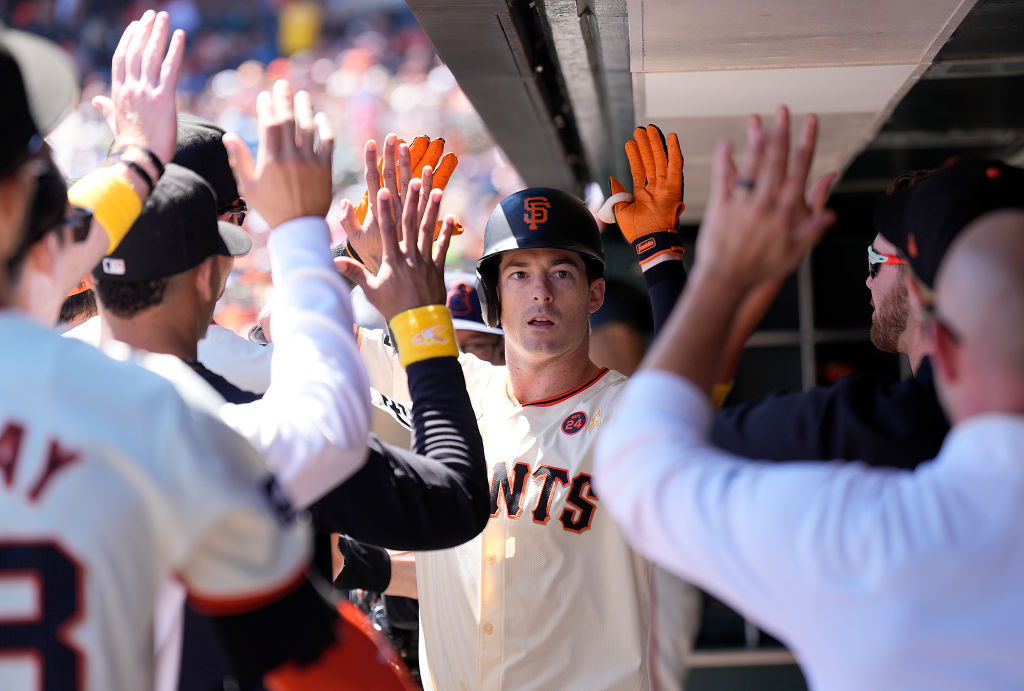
{"x": 535, "y": 218}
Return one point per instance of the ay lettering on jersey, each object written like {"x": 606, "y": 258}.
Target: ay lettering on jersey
{"x": 58, "y": 457}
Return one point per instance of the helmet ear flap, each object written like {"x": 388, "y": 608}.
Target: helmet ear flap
{"x": 487, "y": 291}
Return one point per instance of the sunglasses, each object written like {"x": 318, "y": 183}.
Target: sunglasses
{"x": 79, "y": 221}
{"x": 876, "y": 259}
{"x": 237, "y": 211}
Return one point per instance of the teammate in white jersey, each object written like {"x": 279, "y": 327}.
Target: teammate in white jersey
{"x": 97, "y": 509}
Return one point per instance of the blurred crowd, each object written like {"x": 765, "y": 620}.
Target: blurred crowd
{"x": 368, "y": 65}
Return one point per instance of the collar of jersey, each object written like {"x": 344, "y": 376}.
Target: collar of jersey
{"x": 553, "y": 400}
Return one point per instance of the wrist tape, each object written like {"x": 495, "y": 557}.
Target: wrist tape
{"x": 720, "y": 392}
{"x": 423, "y": 333}
{"x": 112, "y": 201}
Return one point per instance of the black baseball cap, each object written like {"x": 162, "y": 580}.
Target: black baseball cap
{"x": 923, "y": 221}
{"x": 38, "y": 87}
{"x": 199, "y": 148}
{"x": 177, "y": 229}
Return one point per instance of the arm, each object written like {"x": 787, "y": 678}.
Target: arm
{"x": 141, "y": 114}
{"x": 432, "y": 497}
{"x": 313, "y": 421}
{"x": 732, "y": 522}
{"x": 242, "y": 362}
{"x": 436, "y": 495}
{"x": 376, "y": 569}
{"x": 423, "y": 159}
{"x": 861, "y": 417}
{"x": 649, "y": 217}
{"x": 757, "y": 536}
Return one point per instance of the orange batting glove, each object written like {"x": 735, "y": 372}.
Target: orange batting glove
{"x": 423, "y": 151}
{"x": 649, "y": 221}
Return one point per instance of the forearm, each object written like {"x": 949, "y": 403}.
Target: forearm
{"x": 747, "y": 318}
{"x": 114, "y": 194}
{"x": 691, "y": 344}
{"x": 433, "y": 497}
{"x": 313, "y": 421}
{"x": 728, "y": 526}
{"x": 665, "y": 282}
{"x": 403, "y": 575}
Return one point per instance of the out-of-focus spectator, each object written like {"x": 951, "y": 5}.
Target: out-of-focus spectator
{"x": 368, "y": 65}
{"x": 621, "y": 328}
{"x": 473, "y": 335}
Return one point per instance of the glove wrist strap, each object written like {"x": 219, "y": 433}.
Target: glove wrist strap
{"x": 651, "y": 245}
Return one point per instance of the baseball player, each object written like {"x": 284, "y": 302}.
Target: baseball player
{"x": 527, "y": 604}
{"x": 97, "y": 511}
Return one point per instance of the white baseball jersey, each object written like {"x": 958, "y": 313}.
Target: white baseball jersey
{"x": 549, "y": 596}
{"x": 109, "y": 482}
{"x": 242, "y": 362}
{"x": 314, "y": 418}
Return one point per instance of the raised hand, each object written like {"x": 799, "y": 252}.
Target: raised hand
{"x": 396, "y": 168}
{"x": 411, "y": 272}
{"x": 758, "y": 225}
{"x": 422, "y": 152}
{"x": 648, "y": 222}
{"x": 291, "y": 177}
{"x": 140, "y": 110}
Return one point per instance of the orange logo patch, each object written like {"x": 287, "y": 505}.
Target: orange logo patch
{"x": 645, "y": 245}
{"x": 536, "y": 211}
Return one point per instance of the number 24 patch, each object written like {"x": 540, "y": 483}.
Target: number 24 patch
{"x": 575, "y": 422}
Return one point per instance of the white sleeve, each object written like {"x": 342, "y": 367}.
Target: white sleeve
{"x": 233, "y": 547}
{"x": 313, "y": 422}
{"x": 242, "y": 362}
{"x": 776, "y": 541}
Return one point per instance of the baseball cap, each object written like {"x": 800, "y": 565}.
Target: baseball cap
{"x": 464, "y": 303}
{"x": 923, "y": 221}
{"x": 200, "y": 149}
{"x": 177, "y": 229}
{"x": 38, "y": 87}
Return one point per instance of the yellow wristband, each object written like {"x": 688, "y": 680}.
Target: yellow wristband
{"x": 423, "y": 333}
{"x": 112, "y": 201}
{"x": 719, "y": 392}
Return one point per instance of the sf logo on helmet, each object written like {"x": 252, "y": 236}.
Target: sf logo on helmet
{"x": 536, "y": 211}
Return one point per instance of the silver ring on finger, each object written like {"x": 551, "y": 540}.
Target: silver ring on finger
{"x": 745, "y": 183}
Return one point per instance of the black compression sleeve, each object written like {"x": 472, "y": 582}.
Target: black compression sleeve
{"x": 665, "y": 283}
{"x": 861, "y": 417}
{"x": 433, "y": 497}
{"x": 366, "y": 566}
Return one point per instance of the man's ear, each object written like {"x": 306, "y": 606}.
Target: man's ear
{"x": 42, "y": 255}
{"x": 206, "y": 278}
{"x": 596, "y": 294}
{"x": 918, "y": 292}
{"x": 15, "y": 189}
{"x": 945, "y": 352}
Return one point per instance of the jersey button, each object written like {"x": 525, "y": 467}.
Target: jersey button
{"x": 491, "y": 559}
{"x": 488, "y": 629}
